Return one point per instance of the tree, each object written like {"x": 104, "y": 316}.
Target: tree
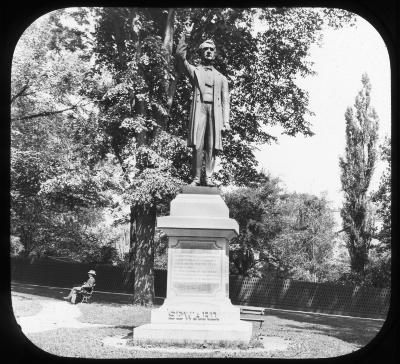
{"x": 357, "y": 167}
{"x": 304, "y": 247}
{"x": 288, "y": 235}
{"x": 144, "y": 104}
{"x": 257, "y": 212}
{"x": 57, "y": 190}
{"x": 134, "y": 107}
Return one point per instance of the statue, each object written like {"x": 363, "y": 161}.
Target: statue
{"x": 209, "y": 112}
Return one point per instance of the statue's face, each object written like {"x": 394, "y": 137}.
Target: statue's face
{"x": 208, "y": 53}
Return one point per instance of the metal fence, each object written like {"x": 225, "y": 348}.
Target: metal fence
{"x": 263, "y": 292}
{"x": 57, "y": 273}
{"x": 309, "y": 296}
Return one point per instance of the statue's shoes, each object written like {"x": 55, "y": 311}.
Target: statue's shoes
{"x": 196, "y": 182}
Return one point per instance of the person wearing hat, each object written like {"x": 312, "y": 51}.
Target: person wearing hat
{"x": 85, "y": 287}
{"x": 209, "y": 112}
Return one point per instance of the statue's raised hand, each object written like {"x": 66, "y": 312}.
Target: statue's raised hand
{"x": 188, "y": 28}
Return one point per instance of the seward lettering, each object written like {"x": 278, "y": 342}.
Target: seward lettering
{"x": 193, "y": 315}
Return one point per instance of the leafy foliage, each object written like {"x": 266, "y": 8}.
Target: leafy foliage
{"x": 383, "y": 198}
{"x": 287, "y": 235}
{"x": 378, "y": 271}
{"x": 58, "y": 188}
{"x": 255, "y": 211}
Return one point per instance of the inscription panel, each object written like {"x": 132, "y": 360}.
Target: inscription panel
{"x": 196, "y": 271}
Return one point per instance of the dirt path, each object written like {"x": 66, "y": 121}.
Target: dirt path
{"x": 54, "y": 315}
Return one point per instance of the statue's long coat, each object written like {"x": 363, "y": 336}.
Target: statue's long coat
{"x": 221, "y": 99}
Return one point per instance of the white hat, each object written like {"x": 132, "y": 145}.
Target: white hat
{"x": 92, "y": 272}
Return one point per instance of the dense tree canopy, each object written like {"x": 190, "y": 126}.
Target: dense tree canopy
{"x": 287, "y": 235}
{"x": 58, "y": 190}
{"x": 135, "y": 51}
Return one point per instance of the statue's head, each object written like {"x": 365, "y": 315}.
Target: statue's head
{"x": 207, "y": 51}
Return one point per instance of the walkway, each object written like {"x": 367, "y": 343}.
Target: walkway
{"x": 54, "y": 315}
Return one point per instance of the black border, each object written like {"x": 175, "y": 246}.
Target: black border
{"x": 384, "y": 15}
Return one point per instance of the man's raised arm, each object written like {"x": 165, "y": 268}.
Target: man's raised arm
{"x": 181, "y": 51}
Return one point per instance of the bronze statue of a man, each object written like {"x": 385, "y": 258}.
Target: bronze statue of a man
{"x": 209, "y": 112}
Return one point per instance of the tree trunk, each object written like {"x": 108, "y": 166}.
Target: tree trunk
{"x": 142, "y": 260}
{"x": 129, "y": 272}
{"x": 358, "y": 258}
{"x": 26, "y": 239}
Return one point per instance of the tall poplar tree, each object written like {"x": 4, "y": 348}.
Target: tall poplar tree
{"x": 357, "y": 167}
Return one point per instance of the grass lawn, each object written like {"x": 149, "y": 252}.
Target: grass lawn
{"x": 310, "y": 336}
{"x": 114, "y": 314}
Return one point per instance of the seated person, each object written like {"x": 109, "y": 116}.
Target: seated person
{"x": 86, "y": 287}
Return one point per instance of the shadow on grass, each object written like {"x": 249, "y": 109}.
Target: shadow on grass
{"x": 350, "y": 329}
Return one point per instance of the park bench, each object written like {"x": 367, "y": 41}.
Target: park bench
{"x": 253, "y": 311}
{"x": 87, "y": 295}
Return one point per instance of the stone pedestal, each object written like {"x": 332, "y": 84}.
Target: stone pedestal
{"x": 197, "y": 307}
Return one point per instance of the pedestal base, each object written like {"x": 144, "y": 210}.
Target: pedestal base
{"x": 194, "y": 311}
{"x": 197, "y": 308}
{"x": 196, "y": 322}
{"x": 239, "y": 332}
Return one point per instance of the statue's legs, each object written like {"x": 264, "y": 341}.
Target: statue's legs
{"x": 209, "y": 149}
{"x": 205, "y": 142}
{"x": 196, "y": 165}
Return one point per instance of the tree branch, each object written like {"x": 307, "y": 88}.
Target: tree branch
{"x": 45, "y": 113}
{"x": 20, "y": 93}
{"x": 338, "y": 232}
{"x": 169, "y": 35}
{"x": 170, "y": 86}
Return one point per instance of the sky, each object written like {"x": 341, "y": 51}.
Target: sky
{"x": 311, "y": 164}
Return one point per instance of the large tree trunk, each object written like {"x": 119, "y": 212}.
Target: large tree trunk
{"x": 142, "y": 257}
